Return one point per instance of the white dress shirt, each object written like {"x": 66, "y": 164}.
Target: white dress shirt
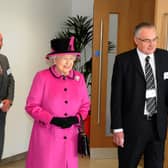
{"x": 142, "y": 57}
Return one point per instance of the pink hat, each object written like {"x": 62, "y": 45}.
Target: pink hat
{"x": 62, "y": 46}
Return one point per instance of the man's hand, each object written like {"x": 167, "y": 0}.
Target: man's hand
{"x": 118, "y": 138}
{"x": 6, "y": 105}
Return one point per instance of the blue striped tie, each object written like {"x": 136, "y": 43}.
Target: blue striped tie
{"x": 150, "y": 84}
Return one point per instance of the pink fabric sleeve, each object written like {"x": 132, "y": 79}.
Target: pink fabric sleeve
{"x": 85, "y": 104}
{"x": 33, "y": 103}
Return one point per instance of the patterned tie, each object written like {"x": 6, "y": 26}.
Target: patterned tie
{"x": 150, "y": 84}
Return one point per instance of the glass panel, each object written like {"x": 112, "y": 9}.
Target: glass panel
{"x": 112, "y": 51}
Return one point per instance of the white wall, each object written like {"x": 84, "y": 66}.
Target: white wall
{"x": 27, "y": 27}
{"x": 83, "y": 8}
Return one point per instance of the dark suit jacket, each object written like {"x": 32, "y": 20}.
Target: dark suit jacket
{"x": 7, "y": 83}
{"x": 128, "y": 93}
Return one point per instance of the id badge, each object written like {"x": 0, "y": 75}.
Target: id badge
{"x": 165, "y": 75}
{"x": 150, "y": 93}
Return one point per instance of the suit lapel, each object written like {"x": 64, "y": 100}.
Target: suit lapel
{"x": 158, "y": 64}
{"x": 137, "y": 64}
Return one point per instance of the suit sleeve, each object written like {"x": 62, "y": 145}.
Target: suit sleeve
{"x": 116, "y": 95}
{"x": 11, "y": 83}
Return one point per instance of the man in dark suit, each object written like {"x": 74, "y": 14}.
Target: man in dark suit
{"x": 139, "y": 101}
{"x": 6, "y": 93}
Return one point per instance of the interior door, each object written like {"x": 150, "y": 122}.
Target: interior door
{"x": 114, "y": 21}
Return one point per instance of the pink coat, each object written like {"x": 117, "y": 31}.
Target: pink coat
{"x": 52, "y": 95}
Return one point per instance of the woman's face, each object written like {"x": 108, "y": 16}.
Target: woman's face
{"x": 64, "y": 63}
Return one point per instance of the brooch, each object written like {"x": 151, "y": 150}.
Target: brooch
{"x": 77, "y": 78}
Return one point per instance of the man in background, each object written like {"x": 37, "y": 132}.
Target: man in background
{"x": 6, "y": 93}
{"x": 139, "y": 101}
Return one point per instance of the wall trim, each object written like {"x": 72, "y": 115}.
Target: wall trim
{"x": 13, "y": 158}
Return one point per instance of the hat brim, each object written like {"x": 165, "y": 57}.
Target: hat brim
{"x": 54, "y": 54}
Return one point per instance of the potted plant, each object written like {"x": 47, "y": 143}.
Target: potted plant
{"x": 81, "y": 28}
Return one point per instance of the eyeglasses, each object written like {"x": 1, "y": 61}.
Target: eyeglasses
{"x": 148, "y": 40}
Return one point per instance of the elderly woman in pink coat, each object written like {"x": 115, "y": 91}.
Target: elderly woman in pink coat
{"x": 57, "y": 100}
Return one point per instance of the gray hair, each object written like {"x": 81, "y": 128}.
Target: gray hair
{"x": 142, "y": 25}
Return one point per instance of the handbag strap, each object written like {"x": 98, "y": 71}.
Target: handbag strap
{"x": 81, "y": 123}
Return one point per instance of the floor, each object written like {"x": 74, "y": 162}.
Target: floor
{"x": 83, "y": 163}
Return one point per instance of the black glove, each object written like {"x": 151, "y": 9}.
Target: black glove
{"x": 72, "y": 120}
{"x": 59, "y": 121}
{"x": 64, "y": 122}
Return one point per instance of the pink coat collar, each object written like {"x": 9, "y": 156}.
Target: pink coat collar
{"x": 58, "y": 75}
